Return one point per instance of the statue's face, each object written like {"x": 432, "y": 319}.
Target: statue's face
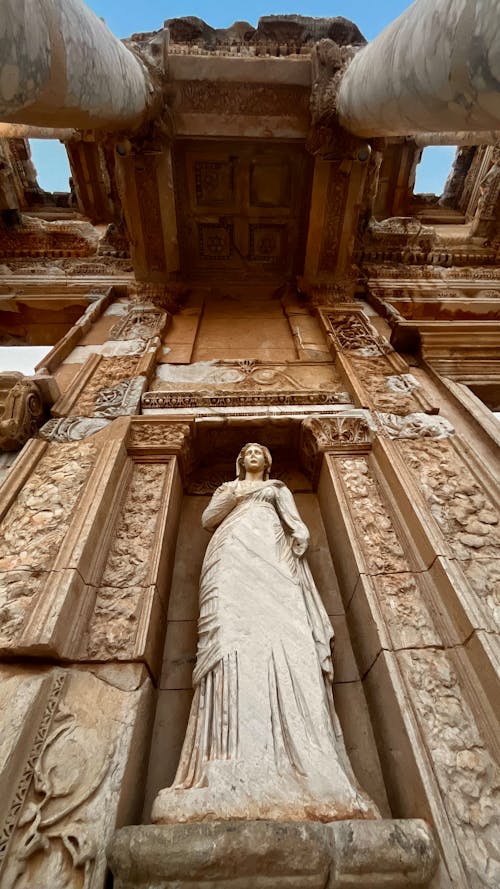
{"x": 254, "y": 459}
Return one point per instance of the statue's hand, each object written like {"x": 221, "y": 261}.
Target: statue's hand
{"x": 299, "y": 544}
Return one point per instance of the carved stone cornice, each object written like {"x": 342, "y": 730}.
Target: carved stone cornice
{"x": 152, "y": 438}
{"x": 21, "y": 410}
{"x": 328, "y": 293}
{"x": 168, "y": 297}
{"x": 344, "y": 433}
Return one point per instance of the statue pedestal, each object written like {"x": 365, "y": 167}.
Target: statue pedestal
{"x": 274, "y": 855}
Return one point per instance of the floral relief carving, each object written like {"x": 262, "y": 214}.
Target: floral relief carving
{"x": 418, "y": 425}
{"x": 168, "y": 435}
{"x": 398, "y": 592}
{"x": 464, "y": 512}
{"x": 70, "y": 768}
{"x": 119, "y": 400}
{"x": 71, "y": 428}
{"x": 139, "y": 324}
{"x": 114, "y": 624}
{"x": 34, "y": 528}
{"x": 11, "y": 816}
{"x": 338, "y": 185}
{"x": 468, "y": 777}
{"x": 108, "y": 375}
{"x": 461, "y": 507}
{"x": 391, "y": 393}
{"x": 352, "y": 332}
{"x": 375, "y": 531}
{"x": 64, "y": 786}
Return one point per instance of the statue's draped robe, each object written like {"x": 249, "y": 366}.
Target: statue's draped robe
{"x": 263, "y": 739}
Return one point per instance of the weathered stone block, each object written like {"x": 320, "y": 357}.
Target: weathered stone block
{"x": 260, "y": 854}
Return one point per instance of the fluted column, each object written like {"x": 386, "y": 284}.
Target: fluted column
{"x": 60, "y": 66}
{"x": 436, "y": 68}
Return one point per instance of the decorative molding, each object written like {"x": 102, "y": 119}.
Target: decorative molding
{"x": 157, "y": 400}
{"x": 151, "y": 438}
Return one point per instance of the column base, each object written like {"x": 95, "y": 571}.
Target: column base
{"x": 274, "y": 855}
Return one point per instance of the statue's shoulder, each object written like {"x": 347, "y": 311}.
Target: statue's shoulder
{"x": 226, "y": 486}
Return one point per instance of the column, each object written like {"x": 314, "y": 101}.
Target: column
{"x": 435, "y": 68}
{"x": 62, "y": 67}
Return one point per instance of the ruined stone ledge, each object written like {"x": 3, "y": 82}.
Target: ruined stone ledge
{"x": 282, "y": 855}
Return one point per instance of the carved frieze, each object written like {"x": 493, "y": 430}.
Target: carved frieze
{"x": 246, "y": 374}
{"x": 210, "y": 97}
{"x": 21, "y": 410}
{"x": 159, "y": 400}
{"x": 34, "y": 528}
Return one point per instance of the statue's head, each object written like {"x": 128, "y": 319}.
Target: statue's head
{"x": 253, "y": 456}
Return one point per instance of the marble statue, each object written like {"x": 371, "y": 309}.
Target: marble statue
{"x": 263, "y": 739}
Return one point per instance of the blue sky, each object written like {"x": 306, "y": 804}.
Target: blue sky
{"x": 124, "y": 17}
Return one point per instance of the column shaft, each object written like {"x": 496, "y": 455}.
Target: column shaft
{"x": 436, "y": 68}
{"x": 61, "y": 67}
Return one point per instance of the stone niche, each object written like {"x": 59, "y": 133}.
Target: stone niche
{"x": 252, "y": 854}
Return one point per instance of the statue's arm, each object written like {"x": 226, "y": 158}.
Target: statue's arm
{"x": 290, "y": 517}
{"x": 221, "y": 504}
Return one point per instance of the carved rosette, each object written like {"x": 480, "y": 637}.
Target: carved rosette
{"x": 21, "y": 410}
{"x": 349, "y": 434}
